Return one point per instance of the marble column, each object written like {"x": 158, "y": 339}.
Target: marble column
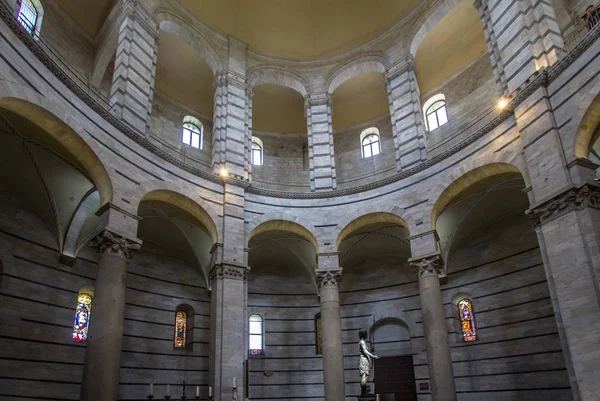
{"x": 439, "y": 360}
{"x": 333, "y": 356}
{"x": 103, "y": 354}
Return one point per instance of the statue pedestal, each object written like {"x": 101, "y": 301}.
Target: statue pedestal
{"x": 367, "y": 397}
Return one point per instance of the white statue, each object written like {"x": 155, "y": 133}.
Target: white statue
{"x": 365, "y": 362}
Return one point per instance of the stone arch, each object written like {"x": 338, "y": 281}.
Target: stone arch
{"x": 267, "y": 224}
{"x": 279, "y": 76}
{"x": 63, "y": 128}
{"x": 384, "y": 318}
{"x": 429, "y": 22}
{"x": 175, "y": 195}
{"x": 354, "y": 69}
{"x": 457, "y": 184}
{"x": 393, "y": 215}
{"x": 170, "y": 23}
{"x": 584, "y": 123}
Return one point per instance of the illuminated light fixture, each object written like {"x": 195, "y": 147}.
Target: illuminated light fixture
{"x": 502, "y": 102}
{"x": 224, "y": 172}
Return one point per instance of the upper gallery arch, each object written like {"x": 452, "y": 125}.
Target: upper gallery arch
{"x": 354, "y": 68}
{"x": 278, "y": 76}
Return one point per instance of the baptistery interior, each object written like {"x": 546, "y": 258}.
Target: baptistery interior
{"x": 299, "y": 200}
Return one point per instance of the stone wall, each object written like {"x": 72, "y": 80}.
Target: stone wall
{"x": 290, "y": 368}
{"x": 38, "y": 296}
{"x": 166, "y": 124}
{"x": 157, "y": 283}
{"x": 470, "y": 99}
{"x": 352, "y": 169}
{"x": 517, "y": 355}
{"x": 285, "y": 161}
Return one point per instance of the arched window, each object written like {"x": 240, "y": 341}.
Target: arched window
{"x": 318, "y": 331}
{"x": 467, "y": 320}
{"x": 255, "y": 333}
{"x": 82, "y": 315}
{"x": 369, "y": 142}
{"x": 435, "y": 112}
{"x": 257, "y": 151}
{"x": 192, "y": 132}
{"x": 180, "y": 329}
{"x": 30, "y": 16}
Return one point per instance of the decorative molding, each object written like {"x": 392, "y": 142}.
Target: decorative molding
{"x": 431, "y": 265}
{"x": 114, "y": 244}
{"x": 230, "y": 271}
{"x": 587, "y": 195}
{"x": 328, "y": 278}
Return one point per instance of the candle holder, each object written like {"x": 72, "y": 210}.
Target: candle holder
{"x": 167, "y": 397}
{"x": 150, "y": 397}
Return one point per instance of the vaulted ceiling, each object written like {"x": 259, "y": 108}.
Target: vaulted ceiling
{"x": 300, "y": 29}
{"x": 90, "y": 15}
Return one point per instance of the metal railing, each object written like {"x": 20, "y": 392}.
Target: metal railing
{"x": 579, "y": 28}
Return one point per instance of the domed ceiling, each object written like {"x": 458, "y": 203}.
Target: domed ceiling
{"x": 300, "y": 29}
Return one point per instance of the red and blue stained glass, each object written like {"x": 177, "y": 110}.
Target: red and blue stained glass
{"x": 180, "y": 328}
{"x": 82, "y": 318}
{"x": 467, "y": 320}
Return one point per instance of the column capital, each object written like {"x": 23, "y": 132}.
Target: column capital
{"x": 429, "y": 265}
{"x": 588, "y": 195}
{"x": 113, "y": 244}
{"x": 229, "y": 270}
{"x": 328, "y": 278}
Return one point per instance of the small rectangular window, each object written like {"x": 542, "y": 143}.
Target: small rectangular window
{"x": 442, "y": 116}
{"x": 367, "y": 150}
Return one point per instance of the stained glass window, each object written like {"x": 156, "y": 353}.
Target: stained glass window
{"x": 28, "y": 16}
{"x": 467, "y": 320}
{"x": 318, "y": 334}
{"x": 180, "y": 329}
{"x": 82, "y": 318}
{"x": 255, "y": 333}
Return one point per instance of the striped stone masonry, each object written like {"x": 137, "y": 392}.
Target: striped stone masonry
{"x": 231, "y": 139}
{"x": 406, "y": 116}
{"x": 321, "y": 157}
{"x": 523, "y": 36}
{"x": 135, "y": 67}
{"x": 229, "y": 298}
{"x": 541, "y": 145}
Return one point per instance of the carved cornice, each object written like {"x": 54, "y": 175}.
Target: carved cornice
{"x": 587, "y": 195}
{"x": 431, "y": 265}
{"x": 114, "y": 244}
{"x": 229, "y": 271}
{"x": 328, "y": 278}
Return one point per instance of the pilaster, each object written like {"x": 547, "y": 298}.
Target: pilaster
{"x": 568, "y": 230}
{"x": 321, "y": 155}
{"x": 523, "y": 37}
{"x": 135, "y": 67}
{"x": 231, "y": 142}
{"x": 406, "y": 115}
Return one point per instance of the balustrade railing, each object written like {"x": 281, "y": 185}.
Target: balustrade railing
{"x": 579, "y": 28}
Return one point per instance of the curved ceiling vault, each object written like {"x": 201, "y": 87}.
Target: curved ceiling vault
{"x": 300, "y": 29}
